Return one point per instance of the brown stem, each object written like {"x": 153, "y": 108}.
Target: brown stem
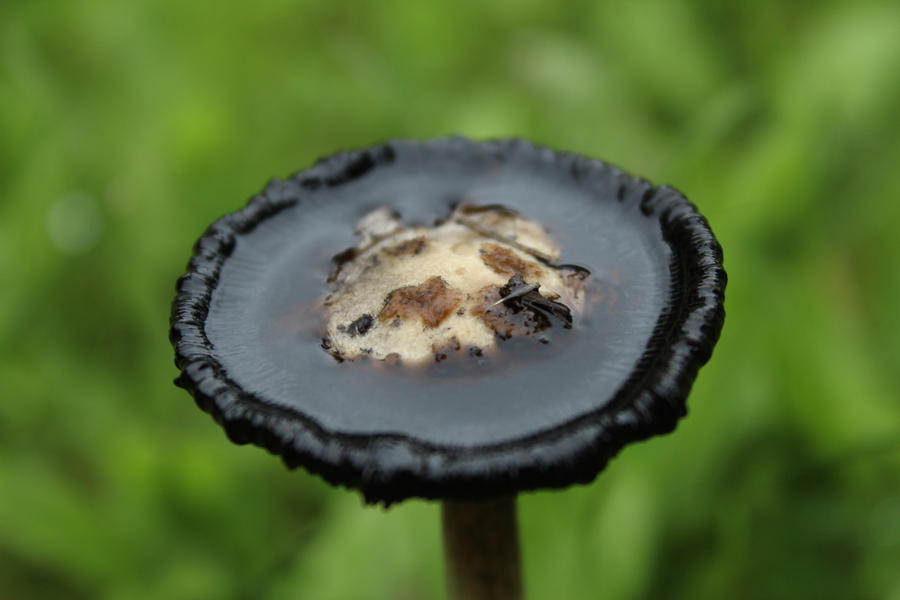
{"x": 481, "y": 550}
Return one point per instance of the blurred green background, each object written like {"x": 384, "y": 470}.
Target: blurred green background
{"x": 127, "y": 127}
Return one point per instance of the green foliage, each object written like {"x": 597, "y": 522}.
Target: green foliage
{"x": 127, "y": 127}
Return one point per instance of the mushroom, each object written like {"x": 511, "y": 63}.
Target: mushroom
{"x": 452, "y": 320}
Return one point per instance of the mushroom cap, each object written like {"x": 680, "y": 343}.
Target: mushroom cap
{"x": 246, "y": 320}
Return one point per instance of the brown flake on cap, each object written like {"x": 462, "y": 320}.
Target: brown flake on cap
{"x": 408, "y": 247}
{"x": 433, "y": 301}
{"x": 506, "y": 262}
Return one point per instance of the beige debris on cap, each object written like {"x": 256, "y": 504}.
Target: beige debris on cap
{"x": 417, "y": 294}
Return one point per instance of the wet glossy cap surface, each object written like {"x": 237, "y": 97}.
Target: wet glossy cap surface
{"x": 246, "y": 325}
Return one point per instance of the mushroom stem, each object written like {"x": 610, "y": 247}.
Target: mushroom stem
{"x": 481, "y": 550}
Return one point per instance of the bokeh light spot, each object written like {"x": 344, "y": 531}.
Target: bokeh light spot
{"x": 74, "y": 223}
